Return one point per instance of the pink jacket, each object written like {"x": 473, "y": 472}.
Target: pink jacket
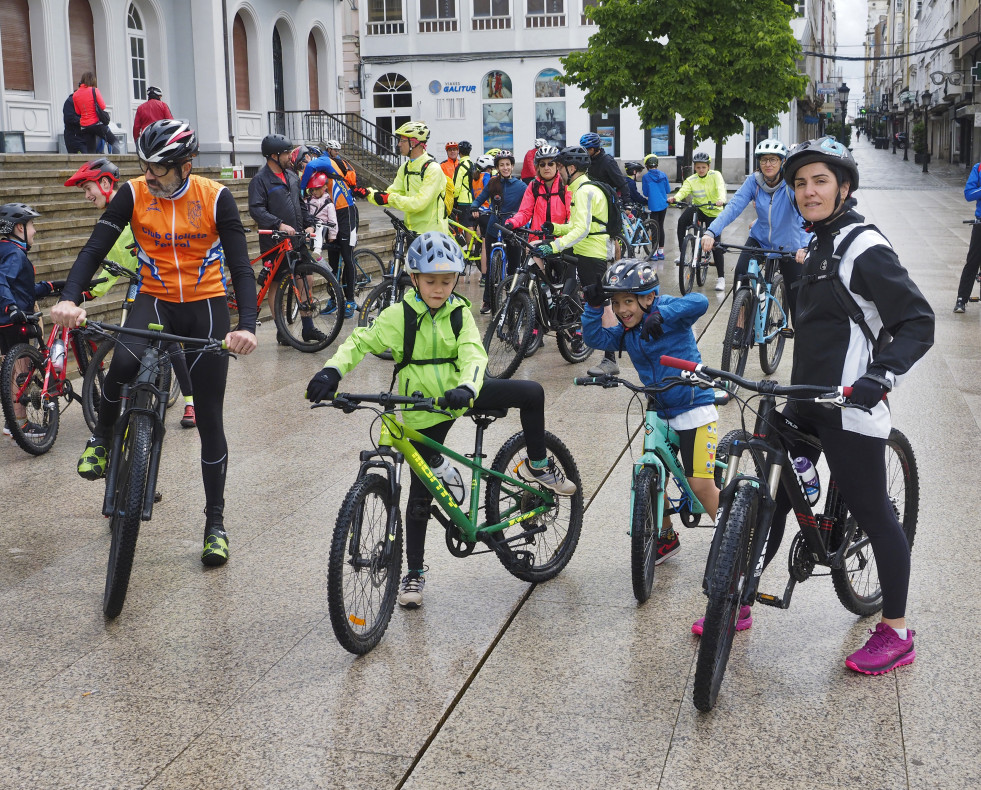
{"x": 322, "y": 210}
{"x": 540, "y": 205}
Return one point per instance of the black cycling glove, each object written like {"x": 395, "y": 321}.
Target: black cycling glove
{"x": 867, "y": 392}
{"x": 651, "y": 328}
{"x": 323, "y": 385}
{"x": 458, "y": 398}
{"x": 594, "y": 295}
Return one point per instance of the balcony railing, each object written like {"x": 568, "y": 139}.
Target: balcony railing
{"x": 545, "y": 20}
{"x": 396, "y": 27}
{"x": 490, "y": 23}
{"x": 437, "y": 25}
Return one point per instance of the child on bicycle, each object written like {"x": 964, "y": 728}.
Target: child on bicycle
{"x": 651, "y": 325}
{"x": 707, "y": 188}
{"x": 444, "y": 362}
{"x": 321, "y": 210}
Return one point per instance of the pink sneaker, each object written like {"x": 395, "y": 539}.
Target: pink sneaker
{"x": 744, "y": 621}
{"x": 883, "y": 652}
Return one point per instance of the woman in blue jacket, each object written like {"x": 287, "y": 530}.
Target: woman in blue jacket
{"x": 778, "y": 225}
{"x": 655, "y": 186}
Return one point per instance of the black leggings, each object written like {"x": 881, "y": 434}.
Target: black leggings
{"x": 858, "y": 466}
{"x": 206, "y": 318}
{"x": 591, "y": 271}
{"x": 341, "y": 248}
{"x": 790, "y": 270}
{"x": 687, "y": 217}
{"x": 970, "y": 272}
{"x": 658, "y": 216}
{"x": 528, "y": 396}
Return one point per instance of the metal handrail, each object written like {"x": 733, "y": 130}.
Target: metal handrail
{"x": 356, "y": 134}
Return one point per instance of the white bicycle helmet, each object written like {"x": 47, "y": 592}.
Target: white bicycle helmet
{"x": 485, "y": 162}
{"x": 433, "y": 252}
{"x": 771, "y": 146}
{"x": 540, "y": 141}
{"x": 332, "y": 144}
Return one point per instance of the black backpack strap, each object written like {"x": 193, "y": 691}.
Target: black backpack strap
{"x": 411, "y": 329}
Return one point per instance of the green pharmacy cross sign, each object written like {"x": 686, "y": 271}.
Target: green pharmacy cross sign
{"x": 976, "y": 72}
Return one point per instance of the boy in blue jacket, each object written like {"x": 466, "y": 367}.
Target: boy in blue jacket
{"x": 655, "y": 187}
{"x": 972, "y": 191}
{"x": 649, "y": 326}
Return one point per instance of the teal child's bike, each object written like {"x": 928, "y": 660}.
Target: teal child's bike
{"x": 533, "y": 531}
{"x": 659, "y": 485}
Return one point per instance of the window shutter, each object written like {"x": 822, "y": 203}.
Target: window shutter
{"x": 240, "y": 47}
{"x": 82, "y": 33}
{"x": 15, "y": 30}
{"x": 313, "y": 73}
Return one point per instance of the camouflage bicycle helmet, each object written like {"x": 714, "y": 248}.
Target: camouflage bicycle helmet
{"x": 12, "y": 214}
{"x": 167, "y": 142}
{"x": 433, "y": 252}
{"x": 576, "y": 155}
{"x": 631, "y": 276}
{"x": 822, "y": 149}
{"x": 540, "y": 141}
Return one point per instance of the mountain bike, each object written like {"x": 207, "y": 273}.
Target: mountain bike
{"x": 499, "y": 267}
{"x": 695, "y": 261}
{"x": 365, "y": 262}
{"x": 759, "y": 313}
{"x": 394, "y": 282}
{"x": 468, "y": 239}
{"x": 553, "y": 298}
{"x": 640, "y": 231}
{"x": 34, "y": 379}
{"x": 654, "y": 471}
{"x": 304, "y": 289}
{"x": 533, "y": 531}
{"x": 134, "y": 458}
{"x": 830, "y": 539}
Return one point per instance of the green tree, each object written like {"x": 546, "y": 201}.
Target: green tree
{"x": 712, "y": 62}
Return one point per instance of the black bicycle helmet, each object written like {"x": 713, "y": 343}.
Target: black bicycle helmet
{"x": 12, "y": 214}
{"x": 273, "y": 144}
{"x": 631, "y": 276}
{"x": 575, "y": 155}
{"x": 167, "y": 142}
{"x": 632, "y": 167}
{"x": 465, "y": 147}
{"x": 822, "y": 149}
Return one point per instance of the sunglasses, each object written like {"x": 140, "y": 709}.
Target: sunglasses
{"x": 157, "y": 170}
{"x": 547, "y": 164}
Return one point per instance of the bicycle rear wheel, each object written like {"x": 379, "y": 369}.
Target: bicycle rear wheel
{"x": 739, "y": 334}
{"x": 776, "y": 318}
{"x": 365, "y": 263}
{"x": 364, "y": 565}
{"x": 621, "y": 247}
{"x": 701, "y": 270}
{"x": 496, "y": 268}
{"x": 571, "y": 345}
{"x": 21, "y": 382}
{"x": 653, "y": 231}
{"x": 381, "y": 296}
{"x": 726, "y": 580}
{"x": 857, "y": 583}
{"x": 508, "y": 335}
{"x": 94, "y": 381}
{"x": 644, "y": 530}
{"x": 641, "y": 242}
{"x": 686, "y": 269}
{"x": 127, "y": 511}
{"x": 313, "y": 292}
{"x": 540, "y": 556}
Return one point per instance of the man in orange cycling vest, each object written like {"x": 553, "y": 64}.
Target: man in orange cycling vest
{"x": 182, "y": 223}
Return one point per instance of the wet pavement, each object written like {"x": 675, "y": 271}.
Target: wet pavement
{"x": 232, "y": 677}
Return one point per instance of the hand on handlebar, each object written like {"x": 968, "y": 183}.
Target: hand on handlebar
{"x": 548, "y": 228}
{"x": 708, "y": 242}
{"x": 68, "y": 314}
{"x": 457, "y": 398}
{"x": 241, "y": 341}
{"x": 323, "y": 386}
{"x": 544, "y": 250}
{"x": 801, "y": 255}
{"x": 284, "y": 228}
{"x": 867, "y": 392}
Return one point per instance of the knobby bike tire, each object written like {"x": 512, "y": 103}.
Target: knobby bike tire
{"x": 314, "y": 290}
{"x": 641, "y": 243}
{"x": 857, "y": 583}
{"x": 702, "y": 263}
{"x": 734, "y": 357}
{"x": 644, "y": 531}
{"x": 127, "y": 510}
{"x": 686, "y": 268}
{"x": 496, "y": 268}
{"x": 776, "y": 316}
{"x": 21, "y": 380}
{"x": 362, "y": 583}
{"x": 621, "y": 247}
{"x": 723, "y": 450}
{"x": 94, "y": 381}
{"x": 382, "y": 295}
{"x": 367, "y": 266}
{"x": 167, "y": 380}
{"x": 726, "y": 581}
{"x": 653, "y": 230}
{"x": 571, "y": 345}
{"x": 546, "y": 553}
{"x": 508, "y": 335}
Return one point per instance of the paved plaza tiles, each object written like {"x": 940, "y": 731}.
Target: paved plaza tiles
{"x": 231, "y": 678}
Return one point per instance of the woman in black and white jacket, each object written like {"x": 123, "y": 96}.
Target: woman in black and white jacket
{"x": 851, "y": 268}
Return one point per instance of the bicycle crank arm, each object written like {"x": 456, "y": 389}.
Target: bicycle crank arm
{"x": 778, "y": 602}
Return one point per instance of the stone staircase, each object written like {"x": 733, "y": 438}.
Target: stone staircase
{"x": 67, "y": 218}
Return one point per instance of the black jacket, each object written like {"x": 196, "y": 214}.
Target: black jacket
{"x": 74, "y": 141}
{"x": 831, "y": 349}
{"x": 604, "y": 168}
{"x": 271, "y": 202}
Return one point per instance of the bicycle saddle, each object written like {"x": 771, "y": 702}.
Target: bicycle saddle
{"x": 492, "y": 413}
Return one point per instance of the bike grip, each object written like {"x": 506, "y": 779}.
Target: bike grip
{"x": 680, "y": 364}
{"x": 266, "y": 232}
{"x": 584, "y": 380}
{"x": 846, "y": 391}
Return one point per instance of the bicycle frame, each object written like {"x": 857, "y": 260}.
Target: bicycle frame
{"x": 636, "y": 234}
{"x": 762, "y": 290}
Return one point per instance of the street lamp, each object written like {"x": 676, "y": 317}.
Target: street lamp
{"x": 843, "y": 91}
{"x": 907, "y": 103}
{"x": 925, "y": 101}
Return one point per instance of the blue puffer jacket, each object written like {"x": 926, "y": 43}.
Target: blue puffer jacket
{"x": 656, "y": 187}
{"x": 17, "y": 286}
{"x": 678, "y": 340}
{"x": 777, "y": 222}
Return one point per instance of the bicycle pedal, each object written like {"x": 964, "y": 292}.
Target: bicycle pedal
{"x": 787, "y": 333}
{"x": 771, "y": 600}
{"x": 975, "y": 299}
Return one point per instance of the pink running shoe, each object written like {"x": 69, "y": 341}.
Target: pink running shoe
{"x": 745, "y": 621}
{"x": 883, "y": 652}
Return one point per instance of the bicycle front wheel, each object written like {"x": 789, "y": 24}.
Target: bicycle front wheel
{"x": 621, "y": 247}
{"x": 857, "y": 583}
{"x": 21, "y": 383}
{"x": 739, "y": 334}
{"x": 644, "y": 530}
{"x": 382, "y": 295}
{"x": 686, "y": 269}
{"x": 508, "y": 335}
{"x": 653, "y": 231}
{"x": 367, "y": 265}
{"x": 539, "y": 556}
{"x": 776, "y": 319}
{"x": 127, "y": 510}
{"x": 364, "y": 565}
{"x": 309, "y": 307}
{"x": 94, "y": 381}
{"x": 726, "y": 580}
{"x": 495, "y": 274}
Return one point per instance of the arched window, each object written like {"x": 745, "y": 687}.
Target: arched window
{"x": 313, "y": 72}
{"x": 279, "y": 85}
{"x": 240, "y": 51}
{"x": 392, "y": 90}
{"x": 137, "y": 52}
{"x": 549, "y": 113}
{"x": 15, "y": 37}
{"x": 497, "y": 110}
{"x": 82, "y": 35}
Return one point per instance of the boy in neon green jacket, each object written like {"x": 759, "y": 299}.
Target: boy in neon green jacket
{"x": 447, "y": 360}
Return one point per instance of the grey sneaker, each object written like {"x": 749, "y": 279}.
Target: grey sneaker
{"x": 959, "y": 306}
{"x": 606, "y": 367}
{"x": 410, "y": 592}
{"x": 551, "y": 477}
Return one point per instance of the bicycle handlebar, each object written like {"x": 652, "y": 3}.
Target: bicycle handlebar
{"x": 609, "y": 382}
{"x": 781, "y": 252}
{"x": 350, "y": 400}
{"x": 508, "y": 233}
{"x": 206, "y": 344}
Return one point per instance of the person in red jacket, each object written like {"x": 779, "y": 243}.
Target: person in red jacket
{"x": 546, "y": 200}
{"x": 153, "y": 109}
{"x": 88, "y": 101}
{"x": 528, "y": 166}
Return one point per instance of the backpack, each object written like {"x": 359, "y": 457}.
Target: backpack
{"x": 537, "y": 186}
{"x": 841, "y": 294}
{"x": 412, "y": 321}
{"x": 456, "y": 170}
{"x": 614, "y": 222}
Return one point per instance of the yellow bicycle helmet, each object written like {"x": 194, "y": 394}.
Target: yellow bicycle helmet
{"x": 413, "y": 130}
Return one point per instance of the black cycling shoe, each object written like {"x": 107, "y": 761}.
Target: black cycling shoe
{"x": 215, "y": 551}
{"x": 313, "y": 335}
{"x": 959, "y": 306}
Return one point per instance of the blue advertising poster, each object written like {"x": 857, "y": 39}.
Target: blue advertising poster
{"x": 659, "y": 140}
{"x": 498, "y": 126}
{"x": 608, "y": 138}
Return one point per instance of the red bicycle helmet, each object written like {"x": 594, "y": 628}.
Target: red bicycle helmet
{"x": 316, "y": 181}
{"x": 93, "y": 171}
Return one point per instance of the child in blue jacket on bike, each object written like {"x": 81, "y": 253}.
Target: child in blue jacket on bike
{"x": 650, "y": 326}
